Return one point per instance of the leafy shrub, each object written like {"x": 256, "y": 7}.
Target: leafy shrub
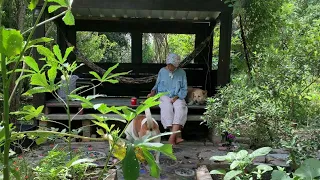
{"x": 246, "y": 110}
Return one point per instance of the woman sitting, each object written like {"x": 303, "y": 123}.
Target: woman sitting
{"x": 173, "y": 80}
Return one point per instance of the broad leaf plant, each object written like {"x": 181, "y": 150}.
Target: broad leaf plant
{"x": 43, "y": 79}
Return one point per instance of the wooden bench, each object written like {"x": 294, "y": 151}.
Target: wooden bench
{"x": 120, "y": 94}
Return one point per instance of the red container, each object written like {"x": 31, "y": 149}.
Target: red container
{"x": 134, "y": 101}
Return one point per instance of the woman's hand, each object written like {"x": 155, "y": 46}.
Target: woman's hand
{"x": 152, "y": 93}
{"x": 174, "y": 99}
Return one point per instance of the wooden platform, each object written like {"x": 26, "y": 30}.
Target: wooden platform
{"x": 54, "y": 111}
{"x": 110, "y": 102}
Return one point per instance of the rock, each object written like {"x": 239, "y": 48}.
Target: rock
{"x": 260, "y": 159}
{"x": 279, "y": 151}
{"x": 277, "y": 159}
{"x": 203, "y": 173}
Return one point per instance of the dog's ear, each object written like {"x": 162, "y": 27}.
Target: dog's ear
{"x": 205, "y": 92}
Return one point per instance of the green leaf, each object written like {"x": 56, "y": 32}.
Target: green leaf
{"x": 63, "y": 3}
{"x": 41, "y": 140}
{"x": 260, "y": 152}
{"x": 112, "y": 81}
{"x": 279, "y": 175}
{"x": 218, "y": 158}
{"x": 241, "y": 154}
{"x": 47, "y": 53}
{"x": 102, "y": 108}
{"x": 118, "y": 74}
{"x": 79, "y": 161}
{"x": 36, "y": 90}
{"x": 86, "y": 102}
{"x": 129, "y": 113}
{"x": 103, "y": 125}
{"x": 53, "y": 8}
{"x": 96, "y": 75}
{"x": 231, "y": 156}
{"x": 66, "y": 54}
{"x": 154, "y": 168}
{"x": 109, "y": 71}
{"x": 235, "y": 164}
{"x": 40, "y": 40}
{"x": 68, "y": 18}
{"x": 309, "y": 169}
{"x": 130, "y": 164}
{"x": 11, "y": 42}
{"x": 33, "y": 4}
{"x": 165, "y": 149}
{"x": 31, "y": 63}
{"x": 39, "y": 79}
{"x": 220, "y": 172}
{"x": 231, "y": 174}
{"x": 52, "y": 73}
{"x": 100, "y": 132}
{"x": 264, "y": 167}
{"x": 57, "y": 52}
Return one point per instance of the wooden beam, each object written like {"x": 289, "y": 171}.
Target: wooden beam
{"x": 223, "y": 77}
{"x": 172, "y": 5}
{"x": 147, "y": 26}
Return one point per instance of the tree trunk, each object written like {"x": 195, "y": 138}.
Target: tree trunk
{"x": 246, "y": 52}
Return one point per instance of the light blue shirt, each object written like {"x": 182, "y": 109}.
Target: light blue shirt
{"x": 176, "y": 86}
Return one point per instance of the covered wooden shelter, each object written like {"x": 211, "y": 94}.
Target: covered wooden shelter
{"x": 136, "y": 17}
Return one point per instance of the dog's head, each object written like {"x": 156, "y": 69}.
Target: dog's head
{"x": 199, "y": 96}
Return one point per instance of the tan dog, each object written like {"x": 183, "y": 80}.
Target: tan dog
{"x": 141, "y": 126}
{"x": 196, "y": 96}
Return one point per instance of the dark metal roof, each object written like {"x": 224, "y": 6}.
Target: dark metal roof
{"x": 197, "y": 10}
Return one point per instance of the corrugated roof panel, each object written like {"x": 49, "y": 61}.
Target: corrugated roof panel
{"x": 155, "y": 14}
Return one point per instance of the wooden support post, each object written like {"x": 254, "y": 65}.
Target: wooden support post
{"x": 87, "y": 129}
{"x": 223, "y": 76}
{"x": 38, "y": 99}
{"x": 136, "y": 47}
{"x": 72, "y": 38}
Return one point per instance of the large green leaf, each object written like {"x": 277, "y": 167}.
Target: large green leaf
{"x": 260, "y": 152}
{"x": 96, "y": 75}
{"x": 231, "y": 174}
{"x": 47, "y": 53}
{"x": 11, "y": 42}
{"x": 53, "y": 8}
{"x": 309, "y": 169}
{"x": 33, "y": 4}
{"x": 279, "y": 175}
{"x": 31, "y": 63}
{"x": 109, "y": 70}
{"x": 66, "y": 54}
{"x": 154, "y": 168}
{"x": 39, "y": 79}
{"x": 52, "y": 73}
{"x": 39, "y": 40}
{"x": 163, "y": 148}
{"x": 218, "y": 158}
{"x": 264, "y": 167}
{"x": 103, "y": 125}
{"x": 219, "y": 172}
{"x": 241, "y": 154}
{"x": 130, "y": 164}
{"x": 37, "y": 90}
{"x": 68, "y": 18}
{"x": 57, "y": 52}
